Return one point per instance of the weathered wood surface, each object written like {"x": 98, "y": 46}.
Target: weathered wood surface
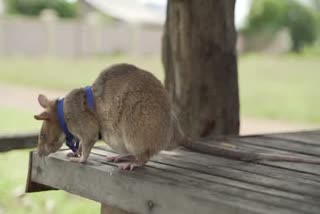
{"x": 18, "y": 141}
{"x": 187, "y": 182}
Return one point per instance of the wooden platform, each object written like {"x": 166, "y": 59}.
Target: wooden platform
{"x": 186, "y": 182}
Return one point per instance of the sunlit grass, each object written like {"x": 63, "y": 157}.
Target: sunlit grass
{"x": 15, "y": 120}
{"x": 283, "y": 87}
{"x": 58, "y": 73}
{"x": 280, "y": 87}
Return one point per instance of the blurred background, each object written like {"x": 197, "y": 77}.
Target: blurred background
{"x": 51, "y": 47}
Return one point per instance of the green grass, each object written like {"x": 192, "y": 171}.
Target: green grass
{"x": 280, "y": 87}
{"x": 273, "y": 87}
{"x": 17, "y": 120}
{"x": 54, "y": 73}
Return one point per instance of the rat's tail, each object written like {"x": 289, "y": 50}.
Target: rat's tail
{"x": 230, "y": 151}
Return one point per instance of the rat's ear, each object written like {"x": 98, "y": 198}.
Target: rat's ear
{"x": 43, "y": 116}
{"x": 43, "y": 100}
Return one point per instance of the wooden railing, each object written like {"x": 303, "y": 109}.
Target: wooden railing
{"x": 18, "y": 141}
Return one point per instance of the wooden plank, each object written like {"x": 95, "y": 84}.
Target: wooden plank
{"x": 313, "y": 132}
{"x": 244, "y": 167}
{"x": 237, "y": 178}
{"x": 18, "y": 141}
{"x": 301, "y": 167}
{"x": 284, "y": 145}
{"x": 145, "y": 190}
{"x": 304, "y": 137}
{"x": 271, "y": 196}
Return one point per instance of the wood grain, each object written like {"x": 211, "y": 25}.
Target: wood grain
{"x": 186, "y": 182}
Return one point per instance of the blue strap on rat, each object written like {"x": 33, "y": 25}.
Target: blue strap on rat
{"x": 71, "y": 141}
{"x": 89, "y": 97}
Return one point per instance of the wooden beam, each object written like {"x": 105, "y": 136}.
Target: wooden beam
{"x": 33, "y": 186}
{"x": 18, "y": 141}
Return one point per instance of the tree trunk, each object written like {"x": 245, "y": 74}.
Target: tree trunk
{"x": 200, "y": 61}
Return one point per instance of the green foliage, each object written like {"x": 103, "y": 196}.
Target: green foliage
{"x": 302, "y": 25}
{"x": 266, "y": 14}
{"x": 34, "y": 7}
{"x": 272, "y": 15}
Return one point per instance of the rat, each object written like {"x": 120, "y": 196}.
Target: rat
{"x": 133, "y": 115}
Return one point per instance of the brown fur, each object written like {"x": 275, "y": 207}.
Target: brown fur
{"x": 133, "y": 114}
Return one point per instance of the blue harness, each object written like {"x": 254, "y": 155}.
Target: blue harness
{"x": 71, "y": 141}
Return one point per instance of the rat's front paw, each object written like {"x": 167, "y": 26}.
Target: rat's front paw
{"x": 72, "y": 155}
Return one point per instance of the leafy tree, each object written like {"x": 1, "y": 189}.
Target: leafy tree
{"x": 34, "y": 7}
{"x": 272, "y": 15}
{"x": 266, "y": 14}
{"x": 302, "y": 25}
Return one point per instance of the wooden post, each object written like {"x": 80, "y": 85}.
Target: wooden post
{"x": 112, "y": 210}
{"x": 200, "y": 61}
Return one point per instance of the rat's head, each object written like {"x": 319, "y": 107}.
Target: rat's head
{"x": 51, "y": 136}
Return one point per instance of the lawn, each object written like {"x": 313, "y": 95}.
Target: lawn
{"x": 57, "y": 73}
{"x": 280, "y": 87}
{"x": 273, "y": 87}
{"x": 17, "y": 120}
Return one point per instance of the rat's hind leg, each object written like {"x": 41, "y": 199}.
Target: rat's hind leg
{"x": 121, "y": 158}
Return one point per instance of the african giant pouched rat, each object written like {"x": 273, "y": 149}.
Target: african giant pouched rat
{"x": 134, "y": 116}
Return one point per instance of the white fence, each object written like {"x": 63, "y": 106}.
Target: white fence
{"x": 58, "y": 37}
